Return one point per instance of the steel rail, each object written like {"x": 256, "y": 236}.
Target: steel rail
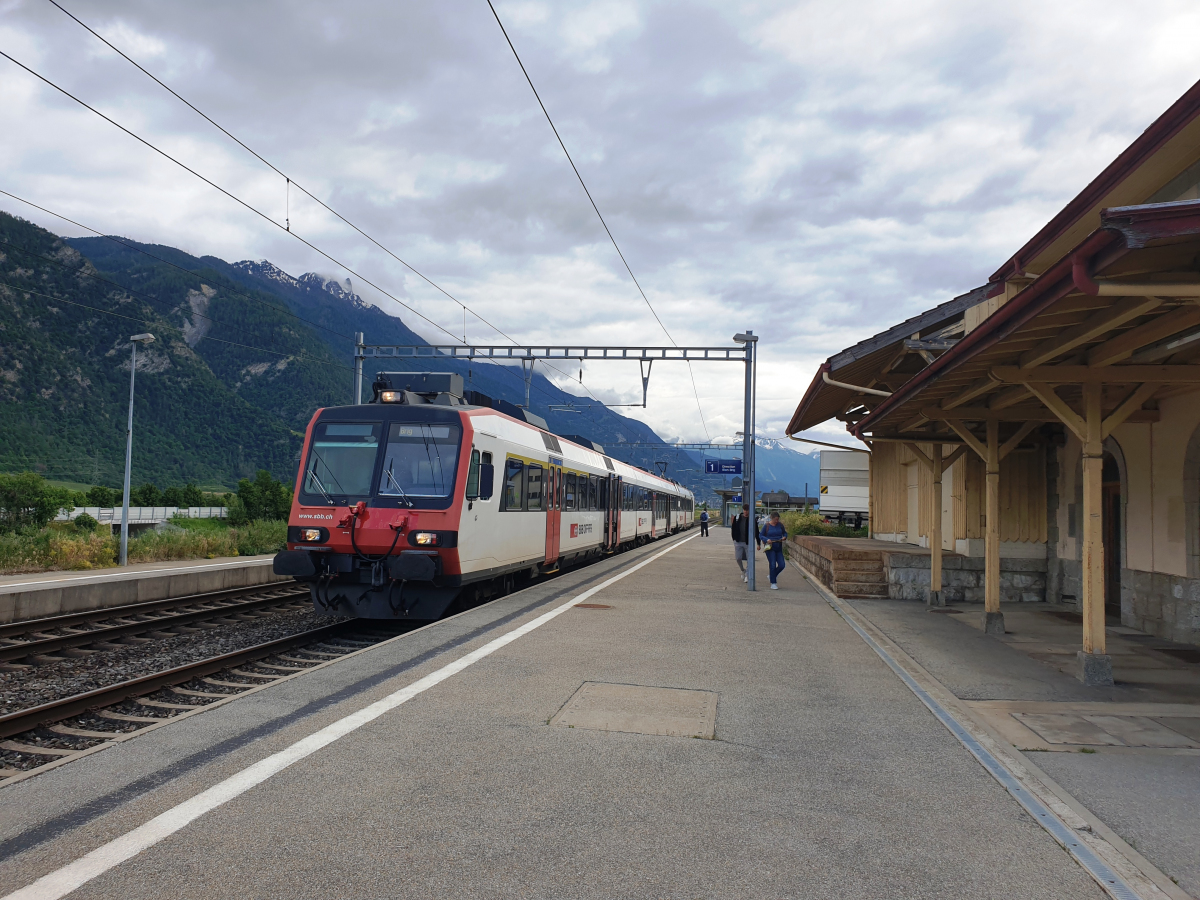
{"x": 57, "y": 710}
{"x": 54, "y": 643}
{"x": 48, "y": 623}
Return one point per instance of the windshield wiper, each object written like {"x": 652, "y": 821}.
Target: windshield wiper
{"x": 312, "y": 475}
{"x": 313, "y": 479}
{"x": 392, "y": 479}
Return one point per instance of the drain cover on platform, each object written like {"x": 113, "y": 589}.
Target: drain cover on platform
{"x": 636, "y": 709}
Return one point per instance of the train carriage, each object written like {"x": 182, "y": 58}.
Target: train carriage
{"x": 417, "y": 499}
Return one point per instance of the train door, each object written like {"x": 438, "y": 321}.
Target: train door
{"x": 554, "y": 500}
{"x": 653, "y": 514}
{"x": 612, "y": 513}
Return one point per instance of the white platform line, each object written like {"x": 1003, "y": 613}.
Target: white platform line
{"x": 63, "y": 881}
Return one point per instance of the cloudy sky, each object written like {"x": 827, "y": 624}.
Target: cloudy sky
{"x": 813, "y": 171}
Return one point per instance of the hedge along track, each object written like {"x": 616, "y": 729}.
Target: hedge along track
{"x": 35, "y": 640}
{"x": 50, "y": 735}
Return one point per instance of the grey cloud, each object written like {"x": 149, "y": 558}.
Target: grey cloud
{"x": 816, "y": 177}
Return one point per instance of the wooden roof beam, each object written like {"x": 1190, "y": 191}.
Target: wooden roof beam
{"x": 969, "y": 393}
{"x": 1128, "y": 407}
{"x": 1088, "y": 330}
{"x": 1096, "y": 375}
{"x": 985, "y": 414}
{"x": 1059, "y": 407}
{"x": 1125, "y": 345}
{"x": 1008, "y": 397}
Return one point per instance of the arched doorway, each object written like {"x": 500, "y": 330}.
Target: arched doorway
{"x": 1111, "y": 509}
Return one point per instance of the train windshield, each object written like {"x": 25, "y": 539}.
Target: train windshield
{"x": 342, "y": 460}
{"x": 420, "y": 460}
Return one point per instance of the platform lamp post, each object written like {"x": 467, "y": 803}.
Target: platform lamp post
{"x": 136, "y": 339}
{"x": 750, "y": 340}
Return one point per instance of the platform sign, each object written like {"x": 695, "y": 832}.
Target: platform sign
{"x": 723, "y": 467}
{"x": 736, "y": 498}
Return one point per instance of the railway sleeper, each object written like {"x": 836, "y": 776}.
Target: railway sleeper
{"x": 34, "y": 749}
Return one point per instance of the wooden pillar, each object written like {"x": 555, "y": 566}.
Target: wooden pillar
{"x": 993, "y": 619}
{"x": 1095, "y": 668}
{"x": 935, "y": 532}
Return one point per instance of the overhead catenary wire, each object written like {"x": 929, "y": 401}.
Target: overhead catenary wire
{"x": 268, "y": 218}
{"x": 198, "y": 277}
{"x": 167, "y": 262}
{"x": 26, "y": 290}
{"x": 151, "y": 299}
{"x": 289, "y": 181}
{"x": 599, "y": 215}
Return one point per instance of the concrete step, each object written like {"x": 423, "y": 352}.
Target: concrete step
{"x": 859, "y": 565}
{"x": 859, "y": 590}
{"x": 841, "y": 574}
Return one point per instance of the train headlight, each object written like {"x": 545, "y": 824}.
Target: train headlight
{"x": 425, "y": 539}
{"x": 391, "y": 396}
{"x": 303, "y": 534}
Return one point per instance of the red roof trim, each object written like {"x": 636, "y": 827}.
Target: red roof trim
{"x": 1149, "y": 142}
{"x": 809, "y": 396}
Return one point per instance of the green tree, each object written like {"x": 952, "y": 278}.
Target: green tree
{"x": 191, "y": 495}
{"x": 263, "y": 498}
{"x": 172, "y": 497}
{"x": 85, "y": 523}
{"x": 102, "y": 496}
{"x": 27, "y": 499}
{"x": 146, "y": 495}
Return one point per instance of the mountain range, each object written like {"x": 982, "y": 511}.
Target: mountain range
{"x": 244, "y": 353}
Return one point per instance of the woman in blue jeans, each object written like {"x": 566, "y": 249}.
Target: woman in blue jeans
{"x": 773, "y": 536}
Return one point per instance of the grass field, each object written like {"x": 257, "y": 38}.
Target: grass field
{"x": 62, "y": 546}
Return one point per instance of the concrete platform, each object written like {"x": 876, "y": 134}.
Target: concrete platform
{"x": 508, "y": 775}
{"x": 1130, "y": 753}
{"x": 58, "y": 593}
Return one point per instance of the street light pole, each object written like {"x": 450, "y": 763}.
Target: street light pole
{"x": 135, "y": 340}
{"x": 750, "y": 340}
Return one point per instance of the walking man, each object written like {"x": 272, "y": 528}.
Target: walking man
{"x": 773, "y": 535}
{"x": 740, "y": 529}
{"x": 704, "y": 523}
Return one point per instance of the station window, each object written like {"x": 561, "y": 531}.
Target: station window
{"x": 533, "y": 486}
{"x": 514, "y": 484}
{"x": 569, "y": 499}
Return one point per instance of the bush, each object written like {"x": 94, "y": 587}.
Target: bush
{"x": 26, "y": 500}
{"x": 811, "y": 522}
{"x": 85, "y": 523}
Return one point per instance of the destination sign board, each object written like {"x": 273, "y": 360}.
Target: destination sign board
{"x": 723, "y": 467}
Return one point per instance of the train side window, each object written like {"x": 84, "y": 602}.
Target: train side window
{"x": 487, "y": 475}
{"x": 514, "y": 484}
{"x": 533, "y": 486}
{"x": 591, "y": 504}
{"x": 569, "y": 499}
{"x": 473, "y": 476}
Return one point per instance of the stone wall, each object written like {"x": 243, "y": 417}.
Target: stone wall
{"x": 1021, "y": 580}
{"x": 1164, "y": 605}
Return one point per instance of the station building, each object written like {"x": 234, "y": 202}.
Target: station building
{"x": 1038, "y": 437}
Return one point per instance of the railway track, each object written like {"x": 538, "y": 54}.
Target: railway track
{"x": 34, "y": 640}
{"x": 62, "y": 730}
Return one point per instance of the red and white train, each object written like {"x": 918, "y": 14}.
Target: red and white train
{"x": 407, "y": 503}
